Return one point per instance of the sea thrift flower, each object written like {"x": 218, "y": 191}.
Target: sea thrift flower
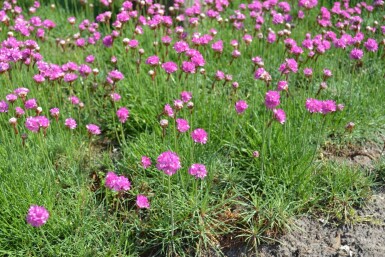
{"x": 123, "y": 114}
{"x": 272, "y": 99}
{"x": 11, "y": 98}
{"x": 115, "y": 97}
{"x": 371, "y": 45}
{"x": 37, "y": 216}
{"x": 146, "y": 162}
{"x": 30, "y": 104}
{"x": 55, "y": 112}
{"x": 188, "y": 67}
{"x": 93, "y": 129}
{"x": 167, "y": 110}
{"x": 199, "y": 136}
{"x": 282, "y": 85}
{"x": 241, "y": 106}
{"x": 217, "y": 46}
{"x": 308, "y": 72}
{"x": 153, "y": 60}
{"x": 168, "y": 162}
{"x": 74, "y": 100}
{"x": 117, "y": 183}
{"x": 328, "y": 106}
{"x": 70, "y": 77}
{"x": 255, "y": 154}
{"x": 3, "y": 106}
{"x": 142, "y": 202}
{"x": 279, "y": 115}
{"x": 356, "y": 54}
{"x": 19, "y": 112}
{"x": 115, "y": 75}
{"x": 313, "y": 105}
{"x": 186, "y": 96}
{"x": 198, "y": 170}
{"x": 21, "y": 92}
{"x": 32, "y": 124}
{"x": 170, "y": 67}
{"x": 70, "y": 123}
{"x": 182, "y": 125}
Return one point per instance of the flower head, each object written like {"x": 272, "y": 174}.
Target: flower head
{"x": 199, "y": 136}
{"x": 37, "y": 216}
{"x": 313, "y": 105}
{"x": 272, "y": 99}
{"x": 186, "y": 96}
{"x": 279, "y": 115}
{"x": 93, "y": 129}
{"x": 146, "y": 162}
{"x": 3, "y": 106}
{"x": 170, "y": 67}
{"x": 198, "y": 170}
{"x": 182, "y": 125}
{"x": 168, "y": 162}
{"x": 32, "y": 124}
{"x": 241, "y": 106}
{"x": 142, "y": 202}
{"x": 70, "y": 123}
{"x": 123, "y": 114}
{"x": 117, "y": 183}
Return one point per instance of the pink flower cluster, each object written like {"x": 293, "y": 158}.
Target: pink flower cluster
{"x": 319, "y": 106}
{"x": 37, "y": 216}
{"x": 117, "y": 183}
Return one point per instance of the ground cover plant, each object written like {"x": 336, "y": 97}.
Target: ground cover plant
{"x": 139, "y": 128}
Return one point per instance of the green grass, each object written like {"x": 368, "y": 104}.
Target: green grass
{"x": 251, "y": 199}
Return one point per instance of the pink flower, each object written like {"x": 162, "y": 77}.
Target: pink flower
{"x": 328, "y": 106}
{"x": 115, "y": 75}
{"x": 74, "y": 100}
{"x": 115, "y": 97}
{"x": 198, "y": 170}
{"x": 186, "y": 96}
{"x": 181, "y": 46}
{"x": 167, "y": 110}
{"x": 182, "y": 125}
{"x": 21, "y": 91}
{"x": 3, "y": 106}
{"x": 93, "y": 129}
{"x": 168, "y": 162}
{"x": 146, "y": 162}
{"x": 188, "y": 67}
{"x": 290, "y": 65}
{"x": 313, "y": 105}
{"x": 170, "y": 67}
{"x": 199, "y": 136}
{"x": 217, "y": 46}
{"x": 117, "y": 183}
{"x": 37, "y": 215}
{"x": 11, "y": 98}
{"x": 279, "y": 115}
{"x": 43, "y": 121}
{"x": 282, "y": 85}
{"x": 142, "y": 202}
{"x": 32, "y": 124}
{"x": 90, "y": 59}
{"x": 123, "y": 114}
{"x": 55, "y": 112}
{"x": 70, "y": 123}
{"x": 356, "y": 54}
{"x": 308, "y": 72}
{"x": 153, "y": 60}
{"x": 70, "y": 77}
{"x": 241, "y": 106}
{"x": 272, "y": 99}
{"x": 30, "y": 104}
{"x": 371, "y": 45}
{"x": 255, "y": 154}
{"x": 19, "y": 112}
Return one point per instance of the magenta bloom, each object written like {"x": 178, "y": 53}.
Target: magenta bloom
{"x": 30, "y": 104}
{"x": 70, "y": 77}
{"x": 217, "y": 46}
{"x": 11, "y": 98}
{"x": 181, "y": 46}
{"x": 117, "y": 183}
{"x": 37, "y": 215}
{"x": 356, "y": 54}
{"x": 308, "y": 72}
{"x": 272, "y": 99}
{"x": 142, "y": 202}
{"x": 188, "y": 67}
{"x": 328, "y": 106}
{"x": 371, "y": 45}
{"x": 3, "y": 106}
{"x": 19, "y": 111}
{"x": 168, "y": 162}
{"x": 199, "y": 136}
{"x": 186, "y": 96}
{"x": 290, "y": 65}
{"x": 70, "y": 123}
{"x": 115, "y": 97}
{"x": 90, "y": 59}
{"x": 21, "y": 91}
{"x": 32, "y": 124}
{"x": 93, "y": 129}
{"x": 279, "y": 115}
{"x": 241, "y": 106}
{"x": 170, "y": 67}
{"x": 198, "y": 170}
{"x": 123, "y": 114}
{"x": 167, "y": 110}
{"x": 115, "y": 75}
{"x": 282, "y": 85}
{"x": 153, "y": 60}
{"x": 146, "y": 162}
{"x": 313, "y": 105}
{"x": 182, "y": 125}
{"x": 43, "y": 121}
{"x": 74, "y": 100}
{"x": 55, "y": 112}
